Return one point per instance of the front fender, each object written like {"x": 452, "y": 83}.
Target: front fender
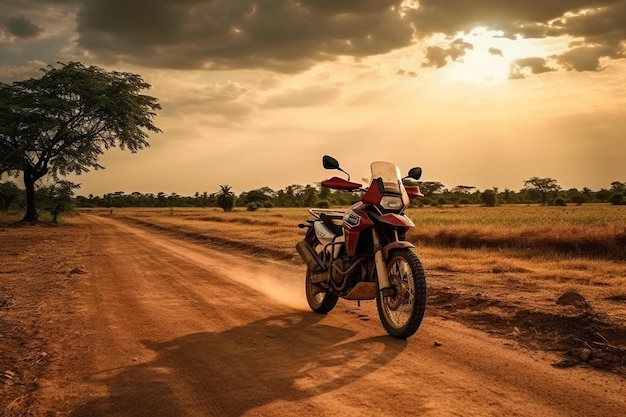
{"x": 396, "y": 220}
{"x": 396, "y": 245}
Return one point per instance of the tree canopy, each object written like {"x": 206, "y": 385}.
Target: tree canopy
{"x": 226, "y": 198}
{"x": 62, "y": 122}
{"x": 543, "y": 186}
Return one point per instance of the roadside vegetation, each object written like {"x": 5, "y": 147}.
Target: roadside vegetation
{"x": 594, "y": 231}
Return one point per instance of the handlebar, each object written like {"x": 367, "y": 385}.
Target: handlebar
{"x": 341, "y": 184}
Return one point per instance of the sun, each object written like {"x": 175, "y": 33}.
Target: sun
{"x": 488, "y": 59}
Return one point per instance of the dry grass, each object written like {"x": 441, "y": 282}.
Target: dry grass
{"x": 591, "y": 231}
{"x": 577, "y": 231}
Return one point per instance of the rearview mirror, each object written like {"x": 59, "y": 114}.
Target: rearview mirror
{"x": 415, "y": 173}
{"x": 329, "y": 162}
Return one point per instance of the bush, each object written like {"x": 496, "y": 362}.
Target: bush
{"x": 489, "y": 198}
{"x": 559, "y": 201}
{"x": 323, "y": 204}
{"x": 252, "y": 207}
{"x": 617, "y": 199}
{"x": 11, "y": 196}
{"x": 56, "y": 199}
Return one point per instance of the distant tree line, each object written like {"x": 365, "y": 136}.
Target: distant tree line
{"x": 59, "y": 197}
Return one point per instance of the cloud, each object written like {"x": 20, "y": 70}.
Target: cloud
{"x": 304, "y": 97}
{"x": 437, "y": 56}
{"x": 220, "y": 105}
{"x": 289, "y": 36}
{"x": 521, "y": 67}
{"x": 495, "y": 51}
{"x": 278, "y": 35}
{"x": 406, "y": 73}
{"x": 599, "y": 25}
{"x": 21, "y": 27}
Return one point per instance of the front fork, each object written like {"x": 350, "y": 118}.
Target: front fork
{"x": 381, "y": 269}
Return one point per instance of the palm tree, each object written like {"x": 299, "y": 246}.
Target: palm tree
{"x": 226, "y": 198}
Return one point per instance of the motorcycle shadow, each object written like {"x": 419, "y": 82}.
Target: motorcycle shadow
{"x": 288, "y": 357}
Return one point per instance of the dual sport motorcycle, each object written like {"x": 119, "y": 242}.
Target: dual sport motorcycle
{"x": 362, "y": 253}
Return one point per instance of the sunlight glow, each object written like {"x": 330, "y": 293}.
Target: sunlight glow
{"x": 489, "y": 59}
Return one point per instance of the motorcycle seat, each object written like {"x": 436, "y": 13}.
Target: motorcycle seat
{"x": 333, "y": 223}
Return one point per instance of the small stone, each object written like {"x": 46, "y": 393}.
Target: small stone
{"x": 572, "y": 298}
{"x": 585, "y": 354}
{"x": 437, "y": 343}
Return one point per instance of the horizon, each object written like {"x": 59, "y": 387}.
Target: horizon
{"x": 238, "y": 193}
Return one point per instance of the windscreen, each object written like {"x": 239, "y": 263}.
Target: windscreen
{"x": 390, "y": 175}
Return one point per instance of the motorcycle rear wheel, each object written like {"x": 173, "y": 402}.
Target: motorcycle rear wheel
{"x": 319, "y": 300}
{"x": 401, "y": 313}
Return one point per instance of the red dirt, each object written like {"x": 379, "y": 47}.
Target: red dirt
{"x": 102, "y": 318}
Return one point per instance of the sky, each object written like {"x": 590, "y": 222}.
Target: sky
{"x": 483, "y": 93}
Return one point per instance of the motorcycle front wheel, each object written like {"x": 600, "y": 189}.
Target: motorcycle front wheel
{"x": 402, "y": 311}
{"x": 319, "y": 300}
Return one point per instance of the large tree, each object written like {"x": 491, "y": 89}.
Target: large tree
{"x": 544, "y": 186}
{"x": 62, "y": 122}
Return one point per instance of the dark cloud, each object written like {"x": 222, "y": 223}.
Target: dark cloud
{"x": 510, "y": 16}
{"x": 437, "y": 56}
{"x": 520, "y": 68}
{"x": 280, "y": 35}
{"x": 293, "y": 35}
{"x": 21, "y": 27}
{"x": 586, "y": 58}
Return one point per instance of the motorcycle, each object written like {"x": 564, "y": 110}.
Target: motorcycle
{"x": 362, "y": 253}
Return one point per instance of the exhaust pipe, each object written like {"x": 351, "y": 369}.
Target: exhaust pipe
{"x": 309, "y": 256}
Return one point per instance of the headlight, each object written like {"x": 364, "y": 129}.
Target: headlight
{"x": 391, "y": 203}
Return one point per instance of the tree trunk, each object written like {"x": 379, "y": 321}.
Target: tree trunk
{"x": 31, "y": 215}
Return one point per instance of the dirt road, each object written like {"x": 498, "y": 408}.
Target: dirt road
{"x": 158, "y": 326}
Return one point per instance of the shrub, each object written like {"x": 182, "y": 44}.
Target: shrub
{"x": 252, "y": 207}
{"x": 617, "y": 199}
{"x": 56, "y": 199}
{"x": 489, "y": 198}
